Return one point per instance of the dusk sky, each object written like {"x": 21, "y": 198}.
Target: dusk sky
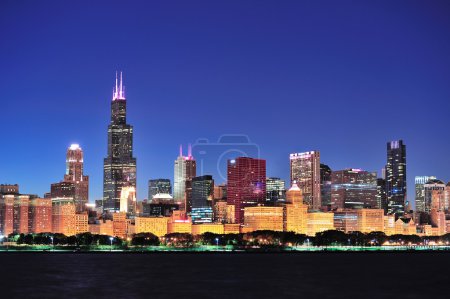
{"x": 341, "y": 77}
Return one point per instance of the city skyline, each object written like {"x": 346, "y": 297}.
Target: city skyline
{"x": 63, "y": 97}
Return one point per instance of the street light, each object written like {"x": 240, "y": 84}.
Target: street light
{"x": 111, "y": 239}
{"x": 217, "y": 244}
{"x": 53, "y": 246}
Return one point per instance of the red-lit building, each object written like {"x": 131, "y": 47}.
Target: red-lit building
{"x": 40, "y": 215}
{"x": 246, "y": 184}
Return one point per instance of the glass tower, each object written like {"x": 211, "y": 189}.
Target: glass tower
{"x": 119, "y": 168}
{"x": 396, "y": 177}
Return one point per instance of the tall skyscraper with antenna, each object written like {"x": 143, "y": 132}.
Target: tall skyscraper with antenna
{"x": 119, "y": 168}
{"x": 185, "y": 169}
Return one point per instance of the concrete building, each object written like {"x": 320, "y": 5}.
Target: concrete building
{"x": 264, "y": 218}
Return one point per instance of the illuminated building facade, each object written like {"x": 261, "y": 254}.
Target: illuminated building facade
{"x": 120, "y": 225}
{"x": 202, "y": 215}
{"x": 381, "y": 194}
{"x": 305, "y": 171}
{"x": 63, "y": 216}
{"x": 354, "y": 188}
{"x": 246, "y": 184}
{"x": 370, "y": 220}
{"x": 185, "y": 169}
{"x": 318, "y": 222}
{"x": 119, "y": 167}
{"x": 154, "y": 225}
{"x": 220, "y": 211}
{"x": 158, "y": 186}
{"x": 396, "y": 177}
{"x": 128, "y": 200}
{"x": 420, "y": 182}
{"x": 296, "y": 212}
{"x": 346, "y": 220}
{"x": 263, "y": 218}
{"x": 215, "y": 228}
{"x": 275, "y": 190}
{"x": 202, "y": 191}
{"x": 40, "y": 215}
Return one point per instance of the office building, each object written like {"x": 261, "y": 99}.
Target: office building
{"x": 434, "y": 194}
{"x": 263, "y": 218}
{"x": 325, "y": 185}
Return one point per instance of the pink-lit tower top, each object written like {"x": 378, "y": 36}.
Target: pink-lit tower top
{"x": 119, "y": 89}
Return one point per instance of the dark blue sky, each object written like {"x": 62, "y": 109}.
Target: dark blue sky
{"x": 341, "y": 77}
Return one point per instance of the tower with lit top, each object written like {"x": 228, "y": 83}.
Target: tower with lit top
{"x": 119, "y": 167}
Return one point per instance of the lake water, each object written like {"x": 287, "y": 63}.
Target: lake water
{"x": 225, "y": 275}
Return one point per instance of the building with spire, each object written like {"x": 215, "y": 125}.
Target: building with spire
{"x": 75, "y": 184}
{"x": 119, "y": 168}
{"x": 185, "y": 169}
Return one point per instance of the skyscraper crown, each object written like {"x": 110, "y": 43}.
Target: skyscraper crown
{"x": 119, "y": 89}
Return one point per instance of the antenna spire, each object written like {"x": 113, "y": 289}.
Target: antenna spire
{"x": 189, "y": 150}
{"x": 121, "y": 87}
{"x": 181, "y": 150}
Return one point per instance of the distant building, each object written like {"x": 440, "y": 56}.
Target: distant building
{"x": 220, "y": 191}
{"x": 325, "y": 185}
{"x": 185, "y": 169}
{"x": 128, "y": 200}
{"x": 396, "y": 177}
{"x": 305, "y": 171}
{"x": 275, "y": 190}
{"x": 161, "y": 186}
{"x": 354, "y": 188}
{"x": 119, "y": 167}
{"x": 246, "y": 184}
{"x": 370, "y": 220}
{"x": 202, "y": 191}
{"x": 154, "y": 225}
{"x": 63, "y": 216}
{"x": 420, "y": 182}
{"x": 9, "y": 189}
{"x": 14, "y": 213}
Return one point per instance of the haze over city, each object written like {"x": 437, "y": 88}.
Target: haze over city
{"x": 341, "y": 78}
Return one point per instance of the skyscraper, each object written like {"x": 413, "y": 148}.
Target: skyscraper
{"x": 419, "y": 182}
{"x": 246, "y": 178}
{"x": 119, "y": 168}
{"x": 434, "y": 194}
{"x": 305, "y": 172}
{"x": 156, "y": 186}
{"x": 396, "y": 177}
{"x": 185, "y": 169}
{"x": 75, "y": 184}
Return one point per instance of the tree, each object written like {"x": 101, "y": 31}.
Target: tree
{"x": 145, "y": 239}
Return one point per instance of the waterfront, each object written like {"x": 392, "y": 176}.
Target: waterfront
{"x": 222, "y": 275}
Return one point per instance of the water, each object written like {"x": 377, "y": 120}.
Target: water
{"x": 226, "y": 275}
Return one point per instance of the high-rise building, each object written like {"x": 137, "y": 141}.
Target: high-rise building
{"x": 434, "y": 194}
{"x": 325, "y": 185}
{"x": 63, "y": 216}
{"x": 420, "y": 182}
{"x": 185, "y": 169}
{"x": 246, "y": 178}
{"x": 275, "y": 190}
{"x": 353, "y": 188}
{"x": 155, "y": 186}
{"x": 119, "y": 168}
{"x": 305, "y": 171}
{"x": 396, "y": 177}
{"x": 75, "y": 184}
